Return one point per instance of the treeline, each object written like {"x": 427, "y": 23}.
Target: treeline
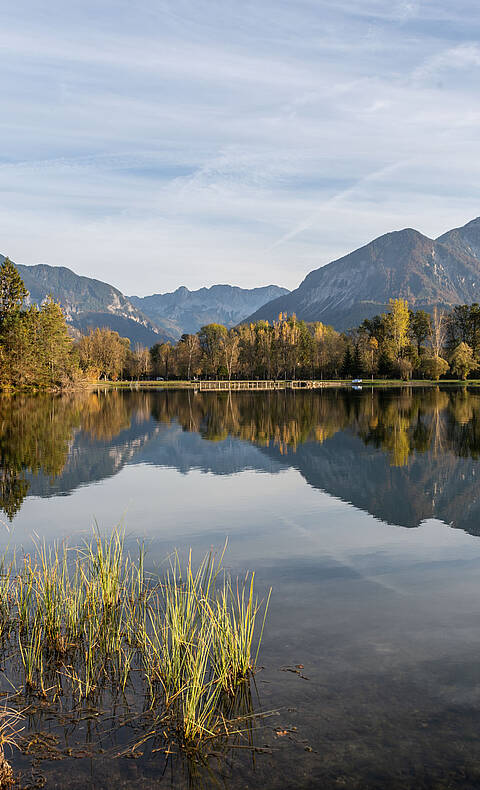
{"x": 36, "y": 348}
{"x": 38, "y": 351}
{"x": 400, "y": 343}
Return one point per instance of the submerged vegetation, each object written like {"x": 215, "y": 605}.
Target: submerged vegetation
{"x": 81, "y": 627}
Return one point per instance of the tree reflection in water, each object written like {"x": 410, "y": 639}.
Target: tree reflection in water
{"x": 37, "y": 433}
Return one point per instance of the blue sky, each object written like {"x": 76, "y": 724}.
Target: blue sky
{"x": 156, "y": 144}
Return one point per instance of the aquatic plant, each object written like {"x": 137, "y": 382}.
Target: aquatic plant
{"x": 10, "y": 729}
{"x": 83, "y": 620}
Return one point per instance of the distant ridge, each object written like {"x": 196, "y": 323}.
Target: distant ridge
{"x": 404, "y": 263}
{"x": 90, "y": 303}
{"x": 464, "y": 240}
{"x": 186, "y": 311}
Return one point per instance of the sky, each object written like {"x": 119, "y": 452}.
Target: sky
{"x": 156, "y": 144}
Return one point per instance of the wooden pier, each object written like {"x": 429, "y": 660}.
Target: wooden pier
{"x": 268, "y": 384}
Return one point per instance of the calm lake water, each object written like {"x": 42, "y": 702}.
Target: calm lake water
{"x": 360, "y": 509}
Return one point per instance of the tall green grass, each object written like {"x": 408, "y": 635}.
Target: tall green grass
{"x": 85, "y": 619}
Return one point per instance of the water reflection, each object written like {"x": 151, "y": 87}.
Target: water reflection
{"x": 403, "y": 456}
{"x": 385, "y": 621}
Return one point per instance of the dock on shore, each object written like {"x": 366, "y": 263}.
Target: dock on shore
{"x": 267, "y": 384}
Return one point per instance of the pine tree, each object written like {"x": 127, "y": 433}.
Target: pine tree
{"x": 54, "y": 345}
{"x": 12, "y": 291}
{"x": 347, "y": 366}
{"x": 12, "y": 295}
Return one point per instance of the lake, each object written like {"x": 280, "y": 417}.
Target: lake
{"x": 360, "y": 509}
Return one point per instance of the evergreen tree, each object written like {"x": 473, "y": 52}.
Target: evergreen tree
{"x": 35, "y": 347}
{"x": 12, "y": 291}
{"x": 347, "y": 365}
{"x": 12, "y": 296}
{"x": 420, "y": 327}
{"x": 53, "y": 345}
{"x": 357, "y": 361}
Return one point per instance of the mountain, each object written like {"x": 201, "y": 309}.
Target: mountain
{"x": 465, "y": 240}
{"x": 187, "y": 311}
{"x": 88, "y": 303}
{"x": 404, "y": 263}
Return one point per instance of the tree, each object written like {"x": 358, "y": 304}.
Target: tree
{"x": 458, "y": 329}
{"x": 18, "y": 349}
{"x": 231, "y": 351}
{"x": 405, "y": 367}
{"x": 433, "y": 367}
{"x": 462, "y": 361}
{"x": 103, "y": 353}
{"x": 54, "y": 345}
{"x": 188, "y": 355}
{"x": 162, "y": 359}
{"x": 347, "y": 365}
{"x": 12, "y": 291}
{"x": 474, "y": 327}
{"x": 35, "y": 346}
{"x": 211, "y": 338}
{"x": 330, "y": 351}
{"x": 368, "y": 351}
{"x": 420, "y": 327}
{"x": 251, "y": 357}
{"x": 14, "y": 334}
{"x": 397, "y": 323}
{"x": 139, "y": 363}
{"x": 262, "y": 349}
{"x": 438, "y": 331}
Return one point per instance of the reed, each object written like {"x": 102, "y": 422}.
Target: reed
{"x": 84, "y": 619}
{"x": 10, "y": 729}
{"x": 234, "y": 614}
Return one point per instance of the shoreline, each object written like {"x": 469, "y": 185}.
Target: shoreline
{"x": 240, "y": 385}
{"x": 281, "y": 386}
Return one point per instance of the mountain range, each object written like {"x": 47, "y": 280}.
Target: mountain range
{"x": 90, "y": 303}
{"x": 405, "y": 263}
{"x": 87, "y": 302}
{"x": 187, "y": 311}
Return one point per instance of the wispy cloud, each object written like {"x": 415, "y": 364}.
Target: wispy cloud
{"x": 216, "y": 141}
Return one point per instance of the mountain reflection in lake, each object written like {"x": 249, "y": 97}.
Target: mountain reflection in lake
{"x": 314, "y": 491}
